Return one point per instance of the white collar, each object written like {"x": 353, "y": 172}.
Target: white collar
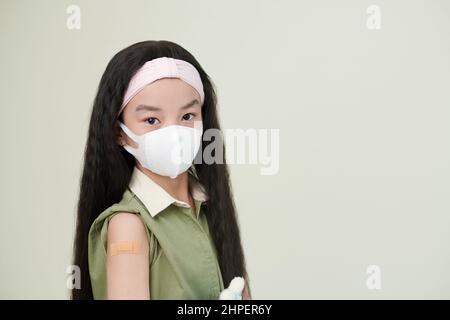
{"x": 155, "y": 198}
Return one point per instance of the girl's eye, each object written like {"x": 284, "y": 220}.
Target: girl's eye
{"x": 152, "y": 120}
{"x": 188, "y": 116}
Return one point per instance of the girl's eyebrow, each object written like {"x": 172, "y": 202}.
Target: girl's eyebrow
{"x": 190, "y": 104}
{"x": 143, "y": 107}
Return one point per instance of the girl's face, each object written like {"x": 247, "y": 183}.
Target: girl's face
{"x": 165, "y": 102}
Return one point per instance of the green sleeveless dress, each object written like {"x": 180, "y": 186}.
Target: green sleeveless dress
{"x": 183, "y": 259}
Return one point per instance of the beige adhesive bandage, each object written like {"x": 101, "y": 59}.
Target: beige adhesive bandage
{"x": 125, "y": 247}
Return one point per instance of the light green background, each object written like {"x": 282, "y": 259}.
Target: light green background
{"x": 364, "y": 119}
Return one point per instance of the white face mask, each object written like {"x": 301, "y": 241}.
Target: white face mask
{"x": 168, "y": 151}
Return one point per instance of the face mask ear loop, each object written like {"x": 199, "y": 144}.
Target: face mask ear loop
{"x": 132, "y": 136}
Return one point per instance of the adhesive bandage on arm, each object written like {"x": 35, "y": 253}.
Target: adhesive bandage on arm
{"x": 122, "y": 247}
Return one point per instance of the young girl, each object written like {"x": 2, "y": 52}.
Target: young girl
{"x": 152, "y": 222}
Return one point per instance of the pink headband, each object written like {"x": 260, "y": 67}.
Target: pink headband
{"x": 159, "y": 68}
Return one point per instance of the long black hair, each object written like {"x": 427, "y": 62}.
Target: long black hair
{"x": 108, "y": 167}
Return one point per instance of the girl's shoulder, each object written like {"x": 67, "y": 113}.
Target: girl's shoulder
{"x": 128, "y": 203}
{"x": 99, "y": 227}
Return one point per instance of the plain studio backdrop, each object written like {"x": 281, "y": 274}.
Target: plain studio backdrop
{"x": 359, "y": 91}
